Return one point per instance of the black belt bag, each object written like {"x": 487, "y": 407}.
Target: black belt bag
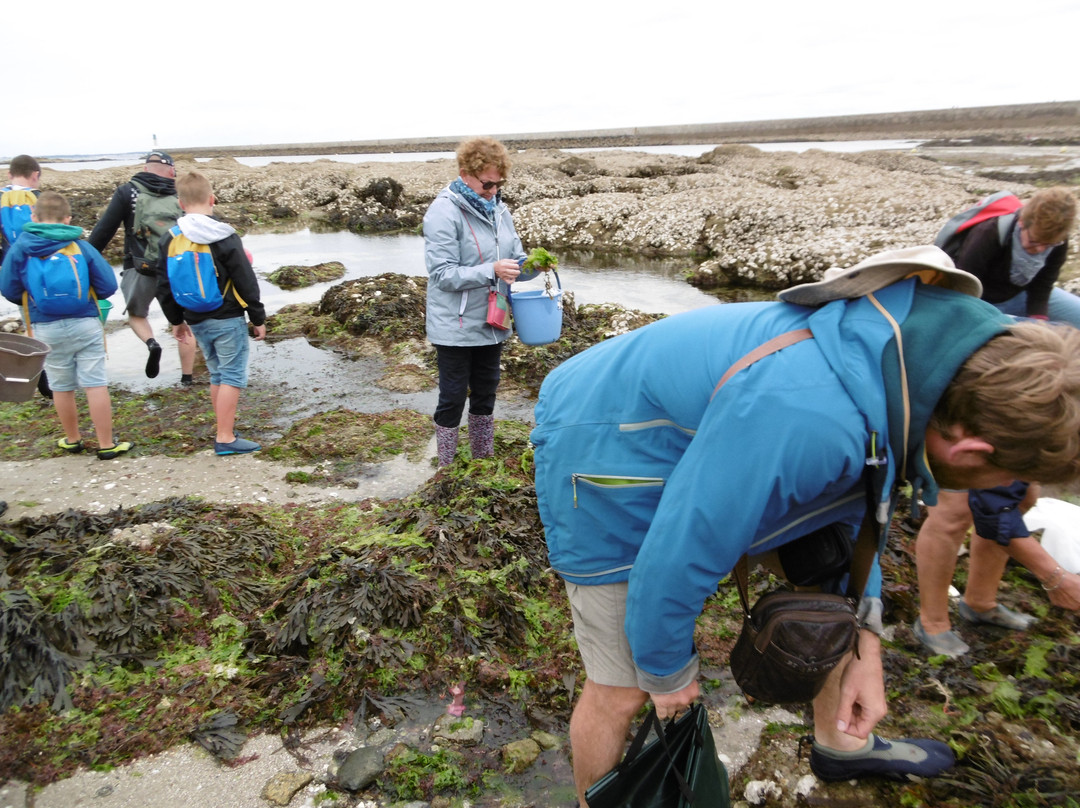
{"x": 789, "y": 644}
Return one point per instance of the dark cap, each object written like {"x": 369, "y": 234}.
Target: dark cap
{"x": 159, "y": 157}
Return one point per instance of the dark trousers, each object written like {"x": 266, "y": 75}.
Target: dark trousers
{"x": 466, "y": 372}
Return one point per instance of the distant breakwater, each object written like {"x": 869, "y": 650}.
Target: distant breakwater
{"x": 1057, "y": 121}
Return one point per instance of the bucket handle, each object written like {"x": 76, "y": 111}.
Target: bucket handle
{"x": 554, "y": 272}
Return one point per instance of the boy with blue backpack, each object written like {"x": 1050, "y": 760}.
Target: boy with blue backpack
{"x": 58, "y": 278}
{"x": 205, "y": 283}
{"x": 17, "y": 198}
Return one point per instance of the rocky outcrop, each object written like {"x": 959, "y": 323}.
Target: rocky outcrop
{"x": 747, "y": 217}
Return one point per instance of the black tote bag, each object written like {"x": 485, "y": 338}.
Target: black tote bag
{"x": 677, "y": 768}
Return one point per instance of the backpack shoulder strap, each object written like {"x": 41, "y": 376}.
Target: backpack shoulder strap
{"x": 760, "y": 352}
{"x": 1005, "y": 226}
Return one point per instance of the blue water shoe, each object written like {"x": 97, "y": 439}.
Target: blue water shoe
{"x": 238, "y": 446}
{"x": 906, "y": 759}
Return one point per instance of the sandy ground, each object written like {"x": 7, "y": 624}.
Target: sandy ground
{"x": 185, "y": 777}
{"x": 48, "y": 485}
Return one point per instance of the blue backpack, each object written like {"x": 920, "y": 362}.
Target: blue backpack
{"x": 16, "y": 205}
{"x": 193, "y": 276}
{"x": 59, "y": 284}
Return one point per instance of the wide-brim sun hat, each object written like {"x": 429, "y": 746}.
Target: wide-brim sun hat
{"x": 928, "y": 263}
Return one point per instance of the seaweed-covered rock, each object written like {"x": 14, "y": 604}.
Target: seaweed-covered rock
{"x": 297, "y": 277}
{"x": 390, "y": 306}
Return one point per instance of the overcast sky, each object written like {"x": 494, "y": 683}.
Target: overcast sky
{"x": 84, "y": 78}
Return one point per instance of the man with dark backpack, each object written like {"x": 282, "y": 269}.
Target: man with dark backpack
{"x": 146, "y": 206}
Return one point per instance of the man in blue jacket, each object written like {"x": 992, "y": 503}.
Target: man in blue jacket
{"x": 653, "y": 481}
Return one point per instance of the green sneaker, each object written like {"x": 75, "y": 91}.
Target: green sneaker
{"x": 123, "y": 447}
{"x": 73, "y": 447}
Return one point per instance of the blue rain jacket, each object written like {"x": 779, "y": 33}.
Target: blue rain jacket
{"x": 643, "y": 475}
{"x": 38, "y": 240}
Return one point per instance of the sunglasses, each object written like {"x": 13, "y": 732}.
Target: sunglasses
{"x": 487, "y": 186}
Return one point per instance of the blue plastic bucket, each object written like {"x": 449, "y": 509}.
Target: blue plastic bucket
{"x": 538, "y": 314}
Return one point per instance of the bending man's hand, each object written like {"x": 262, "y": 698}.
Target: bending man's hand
{"x": 668, "y": 704}
{"x": 862, "y": 689}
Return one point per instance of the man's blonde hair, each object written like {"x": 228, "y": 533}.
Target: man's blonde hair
{"x": 1049, "y": 215}
{"x": 51, "y": 208}
{"x": 473, "y": 156}
{"x": 1020, "y": 393}
{"x": 194, "y": 189}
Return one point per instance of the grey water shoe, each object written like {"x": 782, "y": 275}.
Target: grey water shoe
{"x": 998, "y": 616}
{"x": 946, "y": 642}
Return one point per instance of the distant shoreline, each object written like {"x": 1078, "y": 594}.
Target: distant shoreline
{"x": 1049, "y": 123}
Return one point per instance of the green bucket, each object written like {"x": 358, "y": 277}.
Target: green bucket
{"x": 104, "y": 307}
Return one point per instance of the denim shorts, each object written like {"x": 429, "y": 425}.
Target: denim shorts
{"x": 139, "y": 292}
{"x": 599, "y": 614}
{"x": 76, "y": 355}
{"x": 224, "y": 344}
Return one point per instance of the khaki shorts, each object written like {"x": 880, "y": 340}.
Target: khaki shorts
{"x": 599, "y": 614}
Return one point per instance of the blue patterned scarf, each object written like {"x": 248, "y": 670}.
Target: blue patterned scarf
{"x": 485, "y": 207}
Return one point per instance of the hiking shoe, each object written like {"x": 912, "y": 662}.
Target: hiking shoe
{"x": 998, "y": 616}
{"x": 74, "y": 447}
{"x": 238, "y": 446}
{"x": 123, "y": 447}
{"x": 153, "y": 361}
{"x": 947, "y": 642}
{"x": 186, "y": 380}
{"x": 906, "y": 759}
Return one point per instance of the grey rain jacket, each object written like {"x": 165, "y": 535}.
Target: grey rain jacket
{"x": 460, "y": 250}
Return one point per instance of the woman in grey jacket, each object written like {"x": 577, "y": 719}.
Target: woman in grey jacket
{"x": 470, "y": 247}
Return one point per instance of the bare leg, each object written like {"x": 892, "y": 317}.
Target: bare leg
{"x": 939, "y": 540}
{"x": 141, "y": 326}
{"x": 598, "y": 728}
{"x": 68, "y": 413}
{"x": 869, "y": 707}
{"x": 100, "y": 405}
{"x": 187, "y": 356}
{"x": 225, "y": 399}
{"x": 985, "y": 568}
{"x": 988, "y": 561}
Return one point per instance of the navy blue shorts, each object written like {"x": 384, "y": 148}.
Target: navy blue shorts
{"x": 996, "y": 512}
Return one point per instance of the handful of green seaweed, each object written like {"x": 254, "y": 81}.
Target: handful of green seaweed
{"x": 540, "y": 259}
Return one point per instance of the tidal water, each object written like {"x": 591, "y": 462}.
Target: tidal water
{"x": 651, "y": 285}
